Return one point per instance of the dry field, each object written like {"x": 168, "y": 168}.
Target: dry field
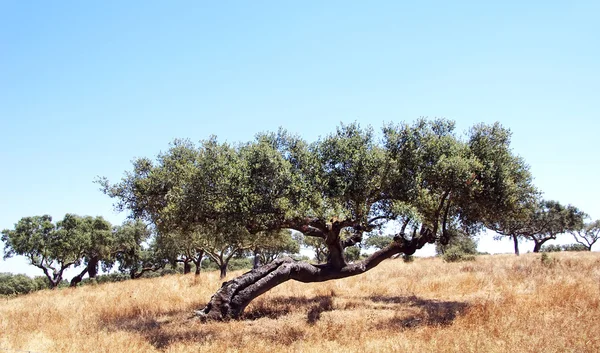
{"x": 499, "y": 303}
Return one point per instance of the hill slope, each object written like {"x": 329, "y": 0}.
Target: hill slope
{"x": 499, "y": 303}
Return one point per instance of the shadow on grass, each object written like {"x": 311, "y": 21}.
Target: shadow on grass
{"x": 431, "y": 312}
{"x": 281, "y": 306}
{"x": 166, "y": 329}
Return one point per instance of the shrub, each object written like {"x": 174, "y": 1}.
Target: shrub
{"x": 548, "y": 261}
{"x": 456, "y": 254}
{"x": 16, "y": 284}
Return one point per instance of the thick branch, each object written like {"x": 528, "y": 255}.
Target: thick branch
{"x": 233, "y": 297}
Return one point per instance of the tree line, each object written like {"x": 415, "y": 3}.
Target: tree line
{"x": 135, "y": 248}
{"x": 419, "y": 183}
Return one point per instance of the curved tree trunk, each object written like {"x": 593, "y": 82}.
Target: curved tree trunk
{"x": 77, "y": 279}
{"x": 232, "y": 298}
{"x": 516, "y": 241}
{"x": 538, "y": 244}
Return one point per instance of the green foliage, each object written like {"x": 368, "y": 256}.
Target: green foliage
{"x": 55, "y": 247}
{"x": 565, "y": 247}
{"x": 548, "y": 261}
{"x": 421, "y": 176}
{"x": 542, "y": 220}
{"x": 137, "y": 251}
{"x": 352, "y": 253}
{"x": 379, "y": 241}
{"x": 454, "y": 254}
{"x": 16, "y": 284}
{"x": 586, "y": 234}
{"x": 459, "y": 243}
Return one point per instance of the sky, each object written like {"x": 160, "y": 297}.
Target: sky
{"x": 85, "y": 87}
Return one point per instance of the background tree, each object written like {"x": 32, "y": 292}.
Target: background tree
{"x": 97, "y": 242}
{"x": 272, "y": 246}
{"x": 185, "y": 248}
{"x": 51, "y": 247}
{"x": 460, "y": 242}
{"x": 137, "y": 251}
{"x": 551, "y": 219}
{"x": 587, "y": 234}
{"x": 350, "y": 182}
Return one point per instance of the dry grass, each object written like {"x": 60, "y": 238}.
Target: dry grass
{"x": 499, "y": 303}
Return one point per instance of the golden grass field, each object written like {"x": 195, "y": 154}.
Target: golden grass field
{"x": 499, "y": 303}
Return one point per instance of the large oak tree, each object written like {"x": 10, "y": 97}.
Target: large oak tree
{"x": 352, "y": 181}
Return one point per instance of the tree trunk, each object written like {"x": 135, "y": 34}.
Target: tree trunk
{"x": 516, "y": 241}
{"x": 92, "y": 267}
{"x": 537, "y": 246}
{"x": 187, "y": 267}
{"x": 198, "y": 261}
{"x": 232, "y": 298}
{"x": 223, "y": 268}
{"x": 77, "y": 279}
{"x": 198, "y": 265}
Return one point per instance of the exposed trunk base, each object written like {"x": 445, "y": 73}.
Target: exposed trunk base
{"x": 232, "y": 298}
{"x": 516, "y": 241}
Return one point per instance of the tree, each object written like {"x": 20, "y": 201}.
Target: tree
{"x": 587, "y": 234}
{"x": 137, "y": 251}
{"x": 51, "y": 247}
{"x": 271, "y": 246}
{"x": 460, "y": 242}
{"x": 552, "y": 218}
{"x": 185, "y": 248}
{"x": 349, "y": 182}
{"x": 97, "y": 244}
{"x": 318, "y": 246}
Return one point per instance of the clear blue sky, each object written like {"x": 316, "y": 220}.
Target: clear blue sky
{"x": 87, "y": 86}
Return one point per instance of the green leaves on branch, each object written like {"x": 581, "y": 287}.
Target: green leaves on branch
{"x": 421, "y": 177}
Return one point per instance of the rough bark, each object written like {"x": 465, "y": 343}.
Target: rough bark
{"x": 516, "y": 241}
{"x": 232, "y": 298}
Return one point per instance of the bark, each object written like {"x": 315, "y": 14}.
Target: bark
{"x": 538, "y": 243}
{"x": 92, "y": 267}
{"x": 187, "y": 267}
{"x": 516, "y": 241}
{"x": 232, "y": 298}
{"x": 77, "y": 279}
{"x": 198, "y": 265}
{"x": 223, "y": 269}
{"x": 198, "y": 261}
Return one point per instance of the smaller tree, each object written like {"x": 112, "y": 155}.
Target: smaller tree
{"x": 183, "y": 247}
{"x": 50, "y": 247}
{"x": 137, "y": 251}
{"x": 551, "y": 219}
{"x": 459, "y": 242}
{"x": 273, "y": 245}
{"x": 97, "y": 245}
{"x": 587, "y": 235}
